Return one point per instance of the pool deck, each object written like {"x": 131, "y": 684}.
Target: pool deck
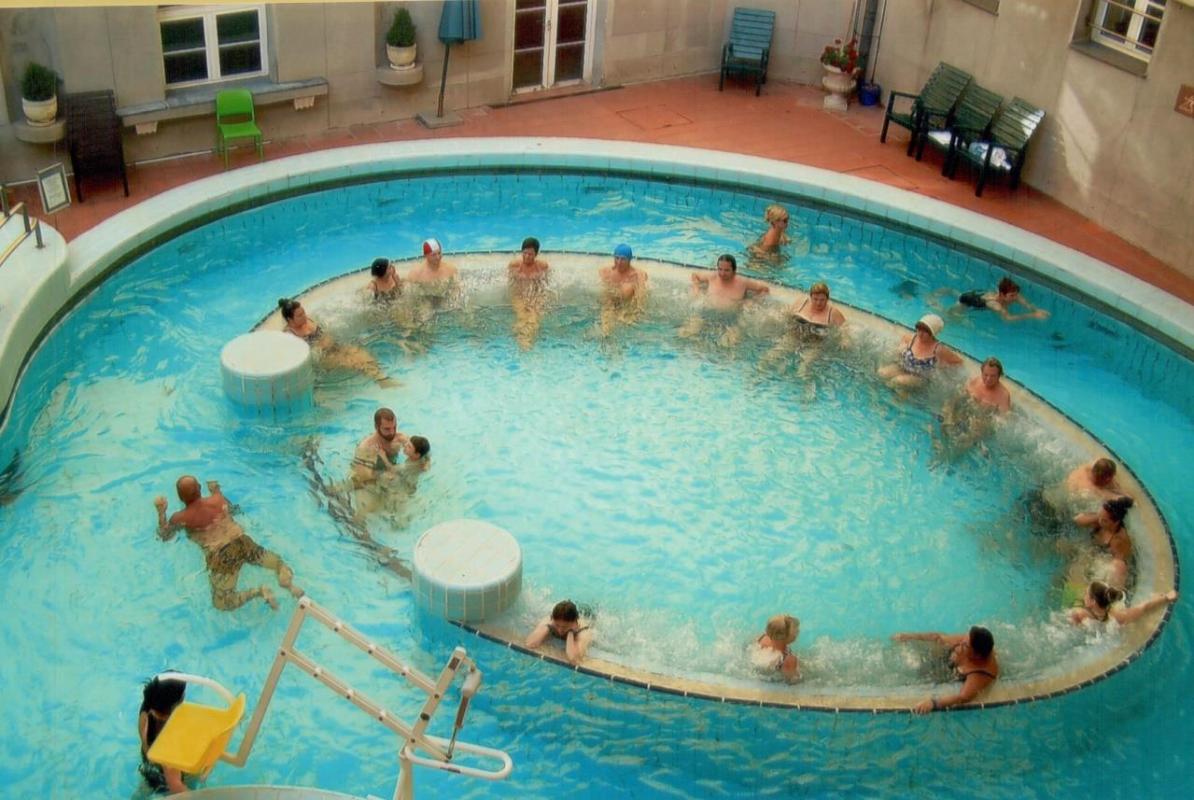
{"x": 786, "y": 123}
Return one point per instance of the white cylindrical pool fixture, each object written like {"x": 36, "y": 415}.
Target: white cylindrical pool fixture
{"x": 467, "y": 570}
{"x": 268, "y": 372}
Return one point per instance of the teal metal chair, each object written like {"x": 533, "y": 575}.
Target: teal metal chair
{"x": 971, "y": 120}
{"x": 931, "y": 108}
{"x": 236, "y": 119}
{"x": 749, "y": 48}
{"x": 1004, "y": 149}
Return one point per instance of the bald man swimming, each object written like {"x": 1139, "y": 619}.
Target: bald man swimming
{"x": 226, "y": 547}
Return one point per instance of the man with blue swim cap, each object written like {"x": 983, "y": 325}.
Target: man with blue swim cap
{"x": 623, "y": 291}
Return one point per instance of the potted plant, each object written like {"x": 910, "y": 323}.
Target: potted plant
{"x": 840, "y": 63}
{"x": 400, "y": 40}
{"x": 39, "y": 95}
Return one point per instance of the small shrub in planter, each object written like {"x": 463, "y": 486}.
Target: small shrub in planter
{"x": 402, "y": 30}
{"x": 39, "y": 83}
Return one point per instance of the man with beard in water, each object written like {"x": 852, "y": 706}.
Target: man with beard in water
{"x": 375, "y": 462}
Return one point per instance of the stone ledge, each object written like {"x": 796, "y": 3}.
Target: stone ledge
{"x": 40, "y": 134}
{"x": 400, "y": 77}
{"x": 200, "y": 101}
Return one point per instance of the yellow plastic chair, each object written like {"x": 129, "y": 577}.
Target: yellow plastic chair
{"x": 236, "y": 119}
{"x": 195, "y": 736}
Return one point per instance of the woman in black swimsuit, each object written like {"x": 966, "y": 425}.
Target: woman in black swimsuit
{"x": 385, "y": 285}
{"x": 325, "y": 349}
{"x": 564, "y": 625}
{"x": 810, "y": 321}
{"x": 1111, "y": 535}
{"x": 972, "y": 659}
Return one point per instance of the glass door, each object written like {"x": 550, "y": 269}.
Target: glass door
{"x": 550, "y": 42}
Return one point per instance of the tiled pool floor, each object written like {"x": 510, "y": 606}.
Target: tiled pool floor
{"x": 785, "y": 123}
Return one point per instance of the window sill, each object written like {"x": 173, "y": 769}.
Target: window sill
{"x": 200, "y": 101}
{"x": 1111, "y": 56}
{"x": 990, "y": 6}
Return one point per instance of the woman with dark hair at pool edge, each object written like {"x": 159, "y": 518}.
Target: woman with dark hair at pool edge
{"x": 971, "y": 658}
{"x": 330, "y": 354}
{"x": 1110, "y": 534}
{"x": 564, "y": 624}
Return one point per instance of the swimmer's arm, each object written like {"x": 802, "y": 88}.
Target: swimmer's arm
{"x": 700, "y": 279}
{"x": 143, "y": 730}
{"x": 576, "y": 643}
{"x": 939, "y": 638}
{"x": 1088, "y": 519}
{"x": 166, "y": 529}
{"x": 791, "y": 668}
{"x": 1125, "y": 615}
{"x": 174, "y": 784}
{"x": 837, "y": 318}
{"x": 949, "y": 357}
{"x": 974, "y": 684}
{"x": 758, "y": 287}
{"x": 539, "y": 635}
{"x": 1007, "y": 316}
{"x": 1079, "y": 615}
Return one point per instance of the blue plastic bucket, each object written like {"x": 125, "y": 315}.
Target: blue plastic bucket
{"x": 868, "y": 93}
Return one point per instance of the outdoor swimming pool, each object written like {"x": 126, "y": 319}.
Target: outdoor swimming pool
{"x": 125, "y": 395}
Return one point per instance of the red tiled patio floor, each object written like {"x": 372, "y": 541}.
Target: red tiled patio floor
{"x": 785, "y": 123}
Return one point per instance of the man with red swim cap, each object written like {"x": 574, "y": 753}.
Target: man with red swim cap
{"x": 434, "y": 279}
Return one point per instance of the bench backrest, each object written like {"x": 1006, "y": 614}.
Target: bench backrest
{"x": 1017, "y": 124}
{"x": 943, "y": 88}
{"x": 750, "y": 32}
{"x": 976, "y": 109}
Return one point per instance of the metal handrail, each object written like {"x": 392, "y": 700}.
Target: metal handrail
{"x": 30, "y": 228}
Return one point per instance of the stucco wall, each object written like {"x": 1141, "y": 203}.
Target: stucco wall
{"x": 1111, "y": 146}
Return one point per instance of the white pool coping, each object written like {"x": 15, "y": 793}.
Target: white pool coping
{"x": 93, "y": 253}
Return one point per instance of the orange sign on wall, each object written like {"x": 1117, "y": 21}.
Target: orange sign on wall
{"x": 1185, "y": 101}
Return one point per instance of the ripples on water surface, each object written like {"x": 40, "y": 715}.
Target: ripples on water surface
{"x": 737, "y": 491}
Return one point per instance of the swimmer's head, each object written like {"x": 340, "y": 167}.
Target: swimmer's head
{"x": 385, "y": 423}
{"x": 932, "y": 324}
{"x": 289, "y": 307}
{"x": 380, "y": 267}
{"x": 1008, "y": 287}
{"x": 530, "y": 243}
{"x": 981, "y": 641}
{"x": 565, "y": 611}
{"x": 1117, "y": 508}
{"x": 776, "y": 213}
{"x": 991, "y": 371}
{"x": 417, "y": 447}
{"x": 1103, "y": 595}
{"x": 727, "y": 266}
{"x": 162, "y": 695}
{"x": 1102, "y": 472}
{"x": 623, "y": 251}
{"x": 783, "y": 629}
{"x": 188, "y": 489}
{"x": 820, "y": 287}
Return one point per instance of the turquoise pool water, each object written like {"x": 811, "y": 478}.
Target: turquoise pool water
{"x": 125, "y": 396}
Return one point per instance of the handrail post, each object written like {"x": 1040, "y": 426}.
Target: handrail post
{"x": 37, "y": 234}
{"x": 25, "y": 216}
{"x": 4, "y": 199}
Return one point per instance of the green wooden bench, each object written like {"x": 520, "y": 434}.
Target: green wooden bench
{"x": 971, "y": 120}
{"x": 1004, "y": 149}
{"x": 931, "y": 107}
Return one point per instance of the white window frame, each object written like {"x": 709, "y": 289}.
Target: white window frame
{"x": 211, "y": 39}
{"x": 1129, "y": 42}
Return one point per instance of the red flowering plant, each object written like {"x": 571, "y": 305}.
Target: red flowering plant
{"x": 841, "y": 56}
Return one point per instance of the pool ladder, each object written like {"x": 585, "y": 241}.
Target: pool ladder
{"x": 438, "y": 752}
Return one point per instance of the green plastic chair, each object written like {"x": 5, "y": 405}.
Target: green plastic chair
{"x": 749, "y": 48}
{"x": 1004, "y": 150}
{"x": 971, "y": 120}
{"x": 235, "y": 119}
{"x": 931, "y": 108}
